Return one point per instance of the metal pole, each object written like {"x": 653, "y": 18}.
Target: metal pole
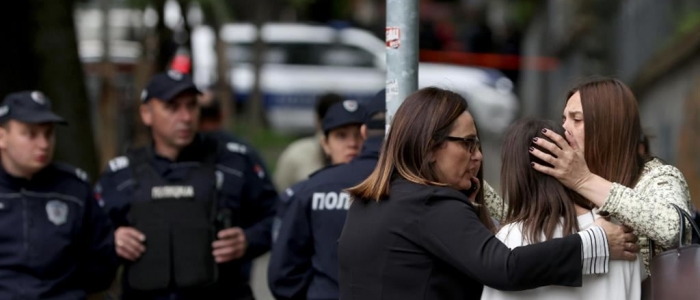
{"x": 401, "y": 53}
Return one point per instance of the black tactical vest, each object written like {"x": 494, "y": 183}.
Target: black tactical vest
{"x": 178, "y": 219}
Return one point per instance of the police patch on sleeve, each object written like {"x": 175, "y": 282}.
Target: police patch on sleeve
{"x": 57, "y": 212}
{"x": 118, "y": 163}
{"x": 98, "y": 195}
{"x": 259, "y": 171}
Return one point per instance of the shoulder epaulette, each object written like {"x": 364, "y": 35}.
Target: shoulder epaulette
{"x": 118, "y": 163}
{"x": 236, "y": 148}
{"x": 75, "y": 171}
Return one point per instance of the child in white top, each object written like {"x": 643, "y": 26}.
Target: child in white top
{"x": 539, "y": 209}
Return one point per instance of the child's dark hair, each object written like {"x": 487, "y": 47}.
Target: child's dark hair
{"x": 538, "y": 201}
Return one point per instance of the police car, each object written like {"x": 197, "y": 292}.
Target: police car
{"x": 304, "y": 61}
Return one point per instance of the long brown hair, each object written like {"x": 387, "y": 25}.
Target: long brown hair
{"x": 612, "y": 130}
{"x": 538, "y": 201}
{"x": 420, "y": 126}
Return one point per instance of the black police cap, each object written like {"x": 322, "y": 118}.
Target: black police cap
{"x": 343, "y": 113}
{"x": 167, "y": 86}
{"x": 29, "y": 107}
{"x": 374, "y": 106}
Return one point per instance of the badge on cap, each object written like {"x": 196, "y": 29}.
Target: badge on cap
{"x": 144, "y": 95}
{"x": 38, "y": 97}
{"x": 4, "y": 110}
{"x": 57, "y": 212}
{"x": 175, "y": 75}
{"x": 350, "y": 105}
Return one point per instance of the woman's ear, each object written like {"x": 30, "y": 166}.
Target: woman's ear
{"x": 431, "y": 156}
{"x": 363, "y": 132}
{"x": 325, "y": 145}
{"x": 3, "y": 137}
{"x": 146, "y": 113}
{"x": 432, "y": 151}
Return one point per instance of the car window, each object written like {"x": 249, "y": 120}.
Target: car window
{"x": 312, "y": 54}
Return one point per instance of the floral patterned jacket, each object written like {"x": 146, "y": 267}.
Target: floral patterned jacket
{"x": 645, "y": 208}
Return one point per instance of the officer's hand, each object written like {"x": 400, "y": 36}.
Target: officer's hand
{"x": 129, "y": 242}
{"x": 231, "y": 245}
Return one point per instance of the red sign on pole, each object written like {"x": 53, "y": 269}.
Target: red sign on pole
{"x": 393, "y": 37}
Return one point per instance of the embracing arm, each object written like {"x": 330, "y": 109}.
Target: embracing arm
{"x": 646, "y": 208}
{"x": 452, "y": 232}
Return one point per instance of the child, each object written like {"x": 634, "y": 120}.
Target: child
{"x": 540, "y": 208}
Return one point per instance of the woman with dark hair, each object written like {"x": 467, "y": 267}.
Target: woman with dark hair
{"x": 598, "y": 158}
{"x": 417, "y": 228}
{"x": 540, "y": 208}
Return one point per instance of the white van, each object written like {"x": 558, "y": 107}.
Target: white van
{"x": 304, "y": 61}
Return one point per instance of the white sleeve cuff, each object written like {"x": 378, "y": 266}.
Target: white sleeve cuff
{"x": 595, "y": 254}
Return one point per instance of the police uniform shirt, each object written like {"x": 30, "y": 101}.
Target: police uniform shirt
{"x": 304, "y": 261}
{"x": 243, "y": 188}
{"x": 245, "y": 148}
{"x": 55, "y": 241}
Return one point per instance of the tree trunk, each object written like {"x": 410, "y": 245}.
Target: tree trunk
{"x": 254, "y": 103}
{"x": 17, "y": 66}
{"x": 156, "y": 55}
{"x": 223, "y": 84}
{"x": 688, "y": 143}
{"x": 144, "y": 70}
{"x": 108, "y": 108}
{"x": 166, "y": 47}
{"x": 186, "y": 26}
{"x": 60, "y": 77}
{"x": 215, "y": 13}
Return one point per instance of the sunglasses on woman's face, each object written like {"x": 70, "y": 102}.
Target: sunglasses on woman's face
{"x": 470, "y": 143}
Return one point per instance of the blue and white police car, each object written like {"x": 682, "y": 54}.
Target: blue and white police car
{"x": 304, "y": 61}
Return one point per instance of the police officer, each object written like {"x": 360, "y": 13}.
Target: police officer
{"x": 189, "y": 210}
{"x": 211, "y": 123}
{"x": 55, "y": 242}
{"x": 304, "y": 262}
{"x": 305, "y": 156}
{"x": 341, "y": 140}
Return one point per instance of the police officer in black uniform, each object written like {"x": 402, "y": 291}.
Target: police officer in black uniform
{"x": 55, "y": 241}
{"x": 190, "y": 211}
{"x": 211, "y": 123}
{"x": 304, "y": 261}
